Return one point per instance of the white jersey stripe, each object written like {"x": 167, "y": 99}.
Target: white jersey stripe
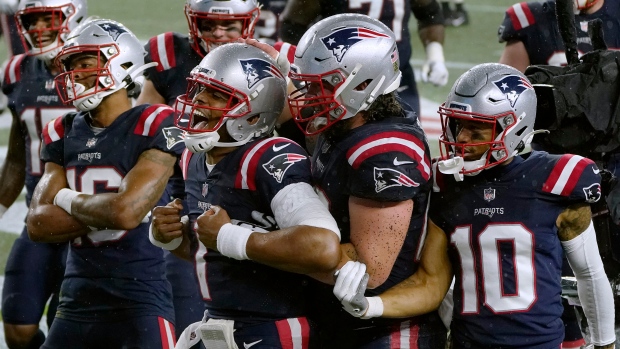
{"x": 13, "y": 69}
{"x": 168, "y": 327}
{"x": 521, "y": 15}
{"x": 54, "y": 136}
{"x": 405, "y": 335}
{"x": 161, "y": 50}
{"x": 246, "y": 163}
{"x": 392, "y": 140}
{"x": 295, "y": 326}
{"x": 565, "y": 175}
{"x": 149, "y": 121}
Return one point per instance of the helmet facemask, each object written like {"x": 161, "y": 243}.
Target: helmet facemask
{"x": 497, "y": 152}
{"x": 44, "y": 43}
{"x": 581, "y": 5}
{"x": 195, "y": 116}
{"x": 104, "y": 84}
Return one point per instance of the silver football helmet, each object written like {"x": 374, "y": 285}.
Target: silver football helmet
{"x": 253, "y": 87}
{"x": 121, "y": 61}
{"x": 490, "y": 93}
{"x": 333, "y": 59}
{"x": 196, "y": 11}
{"x": 46, "y": 42}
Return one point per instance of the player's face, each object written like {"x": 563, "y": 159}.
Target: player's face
{"x": 220, "y": 30}
{"x": 468, "y": 131}
{"x": 316, "y": 89}
{"x": 207, "y": 101}
{"x": 85, "y": 67}
{"x": 45, "y": 24}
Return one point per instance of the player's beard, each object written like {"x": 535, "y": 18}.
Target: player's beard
{"x": 338, "y": 131}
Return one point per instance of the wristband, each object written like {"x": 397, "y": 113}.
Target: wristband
{"x": 231, "y": 241}
{"x": 375, "y": 308}
{"x": 64, "y": 198}
{"x": 172, "y": 245}
{"x": 434, "y": 52}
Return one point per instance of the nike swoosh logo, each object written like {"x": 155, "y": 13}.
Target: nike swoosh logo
{"x": 247, "y": 345}
{"x": 278, "y": 148}
{"x": 398, "y": 163}
{"x": 321, "y": 59}
{"x": 596, "y": 170}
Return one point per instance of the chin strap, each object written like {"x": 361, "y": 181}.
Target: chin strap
{"x": 455, "y": 166}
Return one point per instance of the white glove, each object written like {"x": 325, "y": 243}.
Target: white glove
{"x": 350, "y": 286}
{"x": 434, "y": 69}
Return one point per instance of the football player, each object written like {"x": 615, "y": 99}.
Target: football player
{"x": 506, "y": 220}
{"x": 532, "y": 36}
{"x": 371, "y": 165}
{"x": 530, "y": 31}
{"x": 240, "y": 184}
{"x": 34, "y": 270}
{"x": 298, "y": 15}
{"x": 211, "y": 23}
{"x": 106, "y": 166}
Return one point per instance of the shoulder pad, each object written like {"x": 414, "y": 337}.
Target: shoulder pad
{"x": 521, "y": 15}
{"x": 390, "y": 141}
{"x": 162, "y": 51}
{"x": 246, "y": 177}
{"x": 151, "y": 118}
{"x": 12, "y": 71}
{"x": 567, "y": 172}
{"x": 55, "y": 129}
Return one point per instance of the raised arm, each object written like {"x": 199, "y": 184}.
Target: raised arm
{"x": 149, "y": 94}
{"x": 515, "y": 55}
{"x": 576, "y": 232}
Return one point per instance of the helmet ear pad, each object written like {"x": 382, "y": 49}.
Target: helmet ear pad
{"x": 490, "y": 93}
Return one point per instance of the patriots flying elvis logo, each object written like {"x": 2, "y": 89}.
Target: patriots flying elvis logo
{"x": 114, "y": 30}
{"x": 387, "y": 178}
{"x": 279, "y": 164}
{"x": 512, "y": 86}
{"x": 339, "y": 41}
{"x": 257, "y": 69}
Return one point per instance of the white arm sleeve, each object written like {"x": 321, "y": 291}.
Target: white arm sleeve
{"x": 592, "y": 285}
{"x": 298, "y": 204}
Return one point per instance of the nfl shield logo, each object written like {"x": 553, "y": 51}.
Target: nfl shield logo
{"x": 205, "y": 189}
{"x": 584, "y": 26}
{"x": 91, "y": 142}
{"x": 489, "y": 194}
{"x": 50, "y": 85}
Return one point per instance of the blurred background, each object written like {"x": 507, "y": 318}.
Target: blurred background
{"x": 464, "y": 47}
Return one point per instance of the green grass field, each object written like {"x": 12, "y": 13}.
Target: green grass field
{"x": 464, "y": 47}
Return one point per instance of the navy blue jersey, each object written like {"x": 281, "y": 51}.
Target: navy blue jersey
{"x": 111, "y": 274}
{"x": 176, "y": 59}
{"x": 11, "y": 34}
{"x": 32, "y": 98}
{"x": 244, "y": 184}
{"x": 388, "y": 160}
{"x": 268, "y": 25}
{"x": 535, "y": 24}
{"x": 504, "y": 246}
